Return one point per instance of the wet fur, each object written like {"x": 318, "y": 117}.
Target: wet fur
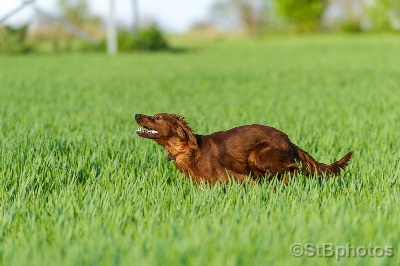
{"x": 251, "y": 151}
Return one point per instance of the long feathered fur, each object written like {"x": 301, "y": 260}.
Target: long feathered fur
{"x": 310, "y": 166}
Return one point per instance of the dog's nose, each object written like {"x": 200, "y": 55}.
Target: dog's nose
{"x": 137, "y": 116}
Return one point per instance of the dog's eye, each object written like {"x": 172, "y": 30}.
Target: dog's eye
{"x": 158, "y": 118}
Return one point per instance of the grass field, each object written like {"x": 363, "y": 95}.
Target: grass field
{"x": 78, "y": 187}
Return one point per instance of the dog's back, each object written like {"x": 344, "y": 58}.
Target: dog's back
{"x": 232, "y": 149}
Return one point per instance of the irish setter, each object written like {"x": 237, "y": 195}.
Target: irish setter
{"x": 251, "y": 151}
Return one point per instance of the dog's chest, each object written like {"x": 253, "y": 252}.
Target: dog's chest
{"x": 187, "y": 168}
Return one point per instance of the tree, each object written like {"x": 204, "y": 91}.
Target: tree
{"x": 249, "y": 15}
{"x": 74, "y": 20}
{"x": 349, "y": 16}
{"x": 385, "y": 14}
{"x": 303, "y": 15}
{"x": 75, "y": 11}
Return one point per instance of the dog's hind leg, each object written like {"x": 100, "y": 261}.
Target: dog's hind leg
{"x": 265, "y": 159}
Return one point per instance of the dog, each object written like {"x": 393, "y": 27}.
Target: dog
{"x": 243, "y": 153}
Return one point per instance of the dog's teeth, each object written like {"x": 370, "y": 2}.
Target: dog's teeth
{"x": 151, "y": 131}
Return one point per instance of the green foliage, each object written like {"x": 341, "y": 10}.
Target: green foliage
{"x": 303, "y": 15}
{"x": 127, "y": 41}
{"x": 382, "y": 14}
{"x": 150, "y": 39}
{"x": 351, "y": 26}
{"x": 78, "y": 187}
{"x": 13, "y": 40}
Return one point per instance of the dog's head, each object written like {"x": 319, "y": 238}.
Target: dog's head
{"x": 165, "y": 129}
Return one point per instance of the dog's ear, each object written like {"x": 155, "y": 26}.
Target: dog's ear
{"x": 185, "y": 133}
{"x": 181, "y": 133}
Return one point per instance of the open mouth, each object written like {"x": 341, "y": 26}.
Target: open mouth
{"x": 147, "y": 132}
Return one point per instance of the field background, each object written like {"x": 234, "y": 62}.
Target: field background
{"x": 78, "y": 187}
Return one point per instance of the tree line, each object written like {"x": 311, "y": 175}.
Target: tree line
{"x": 256, "y": 16}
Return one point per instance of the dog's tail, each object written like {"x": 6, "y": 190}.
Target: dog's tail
{"x": 310, "y": 166}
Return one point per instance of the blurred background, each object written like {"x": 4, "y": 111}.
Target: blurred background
{"x": 130, "y": 25}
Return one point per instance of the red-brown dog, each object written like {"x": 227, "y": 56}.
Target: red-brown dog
{"x": 251, "y": 151}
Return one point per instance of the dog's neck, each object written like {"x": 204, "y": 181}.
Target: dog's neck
{"x": 185, "y": 145}
{"x": 172, "y": 155}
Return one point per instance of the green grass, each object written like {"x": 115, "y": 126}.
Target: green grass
{"x": 78, "y": 187}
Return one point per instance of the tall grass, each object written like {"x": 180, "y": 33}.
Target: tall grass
{"x": 77, "y": 186}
